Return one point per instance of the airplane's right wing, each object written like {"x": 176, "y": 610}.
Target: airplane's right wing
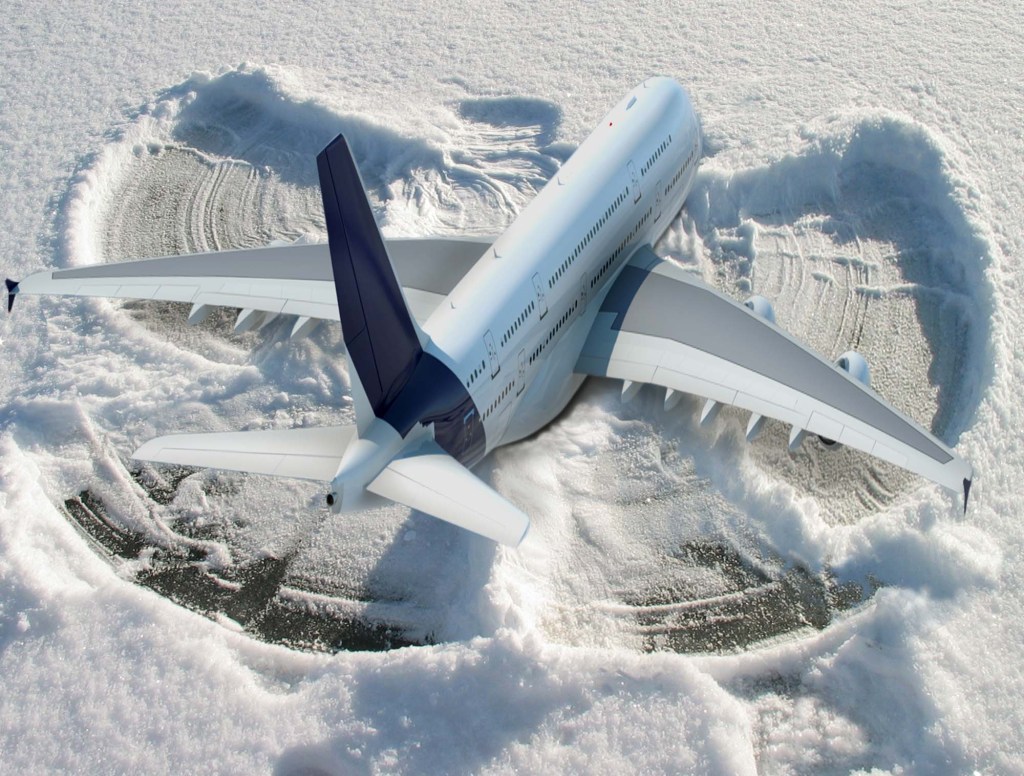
{"x": 291, "y": 279}
{"x": 661, "y": 325}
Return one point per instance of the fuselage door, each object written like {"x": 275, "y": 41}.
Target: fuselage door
{"x": 657, "y": 202}
{"x": 635, "y": 181}
{"x": 542, "y": 302}
{"x": 584, "y": 291}
{"x": 492, "y": 352}
{"x": 521, "y": 378}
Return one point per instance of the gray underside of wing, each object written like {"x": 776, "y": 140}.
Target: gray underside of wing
{"x": 661, "y": 325}
{"x": 294, "y": 279}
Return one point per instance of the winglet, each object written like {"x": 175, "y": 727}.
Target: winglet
{"x": 12, "y": 291}
{"x": 967, "y": 492}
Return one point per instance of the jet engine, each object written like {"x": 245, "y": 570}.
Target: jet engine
{"x": 855, "y": 365}
{"x": 761, "y": 306}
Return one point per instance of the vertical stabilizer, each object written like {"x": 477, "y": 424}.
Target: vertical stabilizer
{"x": 382, "y": 339}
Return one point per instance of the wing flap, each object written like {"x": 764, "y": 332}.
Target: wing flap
{"x": 661, "y": 325}
{"x": 301, "y": 453}
{"x": 435, "y": 483}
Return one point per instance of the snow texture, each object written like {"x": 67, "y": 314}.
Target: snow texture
{"x": 686, "y": 602}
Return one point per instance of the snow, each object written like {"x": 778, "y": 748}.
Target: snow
{"x": 685, "y": 602}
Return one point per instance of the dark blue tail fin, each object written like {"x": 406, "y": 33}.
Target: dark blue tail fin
{"x": 383, "y": 341}
{"x": 12, "y": 291}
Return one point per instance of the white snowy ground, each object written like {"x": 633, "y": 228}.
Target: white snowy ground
{"x": 862, "y": 170}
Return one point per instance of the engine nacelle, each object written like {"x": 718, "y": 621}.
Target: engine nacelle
{"x": 855, "y": 365}
{"x": 761, "y": 306}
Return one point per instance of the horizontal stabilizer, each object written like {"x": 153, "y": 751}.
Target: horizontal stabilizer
{"x": 303, "y": 453}
{"x": 435, "y": 483}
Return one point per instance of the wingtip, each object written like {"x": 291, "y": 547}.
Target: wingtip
{"x": 12, "y": 291}
{"x": 967, "y": 492}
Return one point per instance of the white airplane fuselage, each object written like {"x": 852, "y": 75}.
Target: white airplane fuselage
{"x": 513, "y": 327}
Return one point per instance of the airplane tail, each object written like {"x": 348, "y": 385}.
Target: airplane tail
{"x": 396, "y": 386}
{"x": 383, "y": 340}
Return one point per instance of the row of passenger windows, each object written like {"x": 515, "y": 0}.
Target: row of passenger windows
{"x": 571, "y": 258}
{"x": 680, "y": 171}
{"x": 654, "y": 157}
{"x": 566, "y": 317}
{"x": 518, "y": 322}
{"x": 610, "y": 261}
{"x": 499, "y": 399}
{"x": 608, "y": 264}
{"x": 639, "y": 225}
{"x": 476, "y": 373}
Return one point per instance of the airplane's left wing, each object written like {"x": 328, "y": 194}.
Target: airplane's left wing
{"x": 659, "y": 324}
{"x": 293, "y": 279}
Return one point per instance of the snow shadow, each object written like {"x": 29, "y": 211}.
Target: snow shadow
{"x": 441, "y": 715}
{"x": 249, "y": 116}
{"x": 525, "y": 130}
{"x": 872, "y": 709}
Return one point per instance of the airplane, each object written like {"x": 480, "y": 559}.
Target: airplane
{"x": 459, "y": 346}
